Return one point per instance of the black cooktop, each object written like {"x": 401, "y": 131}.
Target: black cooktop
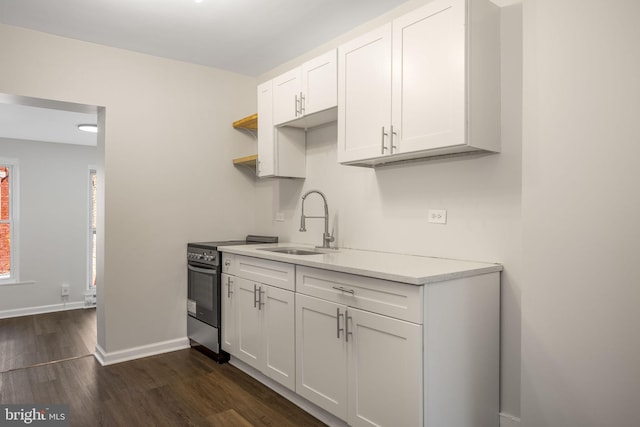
{"x": 250, "y": 240}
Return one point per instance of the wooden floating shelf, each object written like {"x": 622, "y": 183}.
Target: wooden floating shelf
{"x": 249, "y": 161}
{"x": 249, "y": 122}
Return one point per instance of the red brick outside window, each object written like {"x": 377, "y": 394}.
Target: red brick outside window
{"x": 5, "y": 227}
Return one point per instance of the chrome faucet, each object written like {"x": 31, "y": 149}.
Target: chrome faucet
{"x": 326, "y": 237}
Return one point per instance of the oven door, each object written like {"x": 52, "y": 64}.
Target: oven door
{"x": 203, "y": 294}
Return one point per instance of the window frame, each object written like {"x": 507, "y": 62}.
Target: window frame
{"x": 91, "y": 231}
{"x": 14, "y": 229}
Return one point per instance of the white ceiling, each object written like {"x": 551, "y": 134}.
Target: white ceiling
{"x": 45, "y": 124}
{"x": 245, "y": 36}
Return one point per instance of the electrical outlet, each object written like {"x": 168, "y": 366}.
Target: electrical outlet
{"x": 64, "y": 290}
{"x": 437, "y": 216}
{"x": 280, "y": 216}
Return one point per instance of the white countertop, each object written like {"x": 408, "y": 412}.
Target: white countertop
{"x": 411, "y": 269}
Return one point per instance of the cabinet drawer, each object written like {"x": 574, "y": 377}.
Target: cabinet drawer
{"x": 279, "y": 274}
{"x": 393, "y": 299}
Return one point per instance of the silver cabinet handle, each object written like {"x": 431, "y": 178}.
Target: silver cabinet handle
{"x": 297, "y": 103}
{"x": 393, "y": 147}
{"x": 260, "y": 293}
{"x": 201, "y": 270}
{"x": 338, "y": 328}
{"x": 255, "y": 292}
{"x": 227, "y": 263}
{"x": 302, "y": 102}
{"x": 346, "y": 326}
{"x": 229, "y": 291}
{"x": 382, "y": 141}
{"x": 340, "y": 288}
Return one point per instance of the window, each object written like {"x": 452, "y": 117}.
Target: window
{"x": 92, "y": 230}
{"x": 8, "y": 229}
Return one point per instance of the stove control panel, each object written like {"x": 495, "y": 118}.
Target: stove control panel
{"x": 202, "y": 256}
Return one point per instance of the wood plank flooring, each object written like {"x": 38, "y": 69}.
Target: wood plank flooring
{"x": 181, "y": 388}
{"x": 31, "y": 340}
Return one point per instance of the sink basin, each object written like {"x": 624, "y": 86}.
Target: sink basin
{"x": 292, "y": 251}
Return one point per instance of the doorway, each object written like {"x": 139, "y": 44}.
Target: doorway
{"x": 54, "y": 266}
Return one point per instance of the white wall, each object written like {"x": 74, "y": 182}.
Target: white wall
{"x": 168, "y": 177}
{"x": 386, "y": 209}
{"x": 581, "y": 210}
{"x": 54, "y": 204}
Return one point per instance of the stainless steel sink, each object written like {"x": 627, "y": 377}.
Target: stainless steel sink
{"x": 292, "y": 251}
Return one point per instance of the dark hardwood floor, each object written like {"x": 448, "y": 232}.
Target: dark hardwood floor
{"x": 181, "y": 388}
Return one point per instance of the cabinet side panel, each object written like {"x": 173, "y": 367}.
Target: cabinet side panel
{"x": 266, "y": 157}
{"x": 484, "y": 106}
{"x": 291, "y": 152}
{"x": 462, "y": 352}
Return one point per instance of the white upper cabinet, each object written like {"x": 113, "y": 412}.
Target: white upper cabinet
{"x": 427, "y": 84}
{"x": 281, "y": 151}
{"x": 364, "y": 88}
{"x": 287, "y": 90}
{"x": 307, "y": 95}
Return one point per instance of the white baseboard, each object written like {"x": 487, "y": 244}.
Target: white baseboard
{"x": 139, "y": 352}
{"x": 507, "y": 420}
{"x": 28, "y": 311}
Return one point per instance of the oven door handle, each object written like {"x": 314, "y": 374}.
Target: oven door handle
{"x": 202, "y": 270}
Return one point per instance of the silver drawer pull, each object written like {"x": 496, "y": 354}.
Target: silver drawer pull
{"x": 229, "y": 291}
{"x": 347, "y": 318}
{"x": 340, "y": 288}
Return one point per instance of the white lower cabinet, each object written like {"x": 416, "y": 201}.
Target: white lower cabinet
{"x": 372, "y": 352}
{"x": 385, "y": 370}
{"x": 228, "y": 314}
{"x": 264, "y": 329}
{"x": 321, "y": 354}
{"x": 362, "y": 367}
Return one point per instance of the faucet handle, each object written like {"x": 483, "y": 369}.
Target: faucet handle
{"x": 328, "y": 238}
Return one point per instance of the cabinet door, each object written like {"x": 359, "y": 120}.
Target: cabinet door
{"x": 321, "y": 368}
{"x": 385, "y": 370}
{"x": 364, "y": 96}
{"x": 286, "y": 96}
{"x": 266, "y": 147}
{"x": 228, "y": 315}
{"x": 279, "y": 335}
{"x": 320, "y": 83}
{"x": 249, "y": 324}
{"x": 429, "y": 81}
